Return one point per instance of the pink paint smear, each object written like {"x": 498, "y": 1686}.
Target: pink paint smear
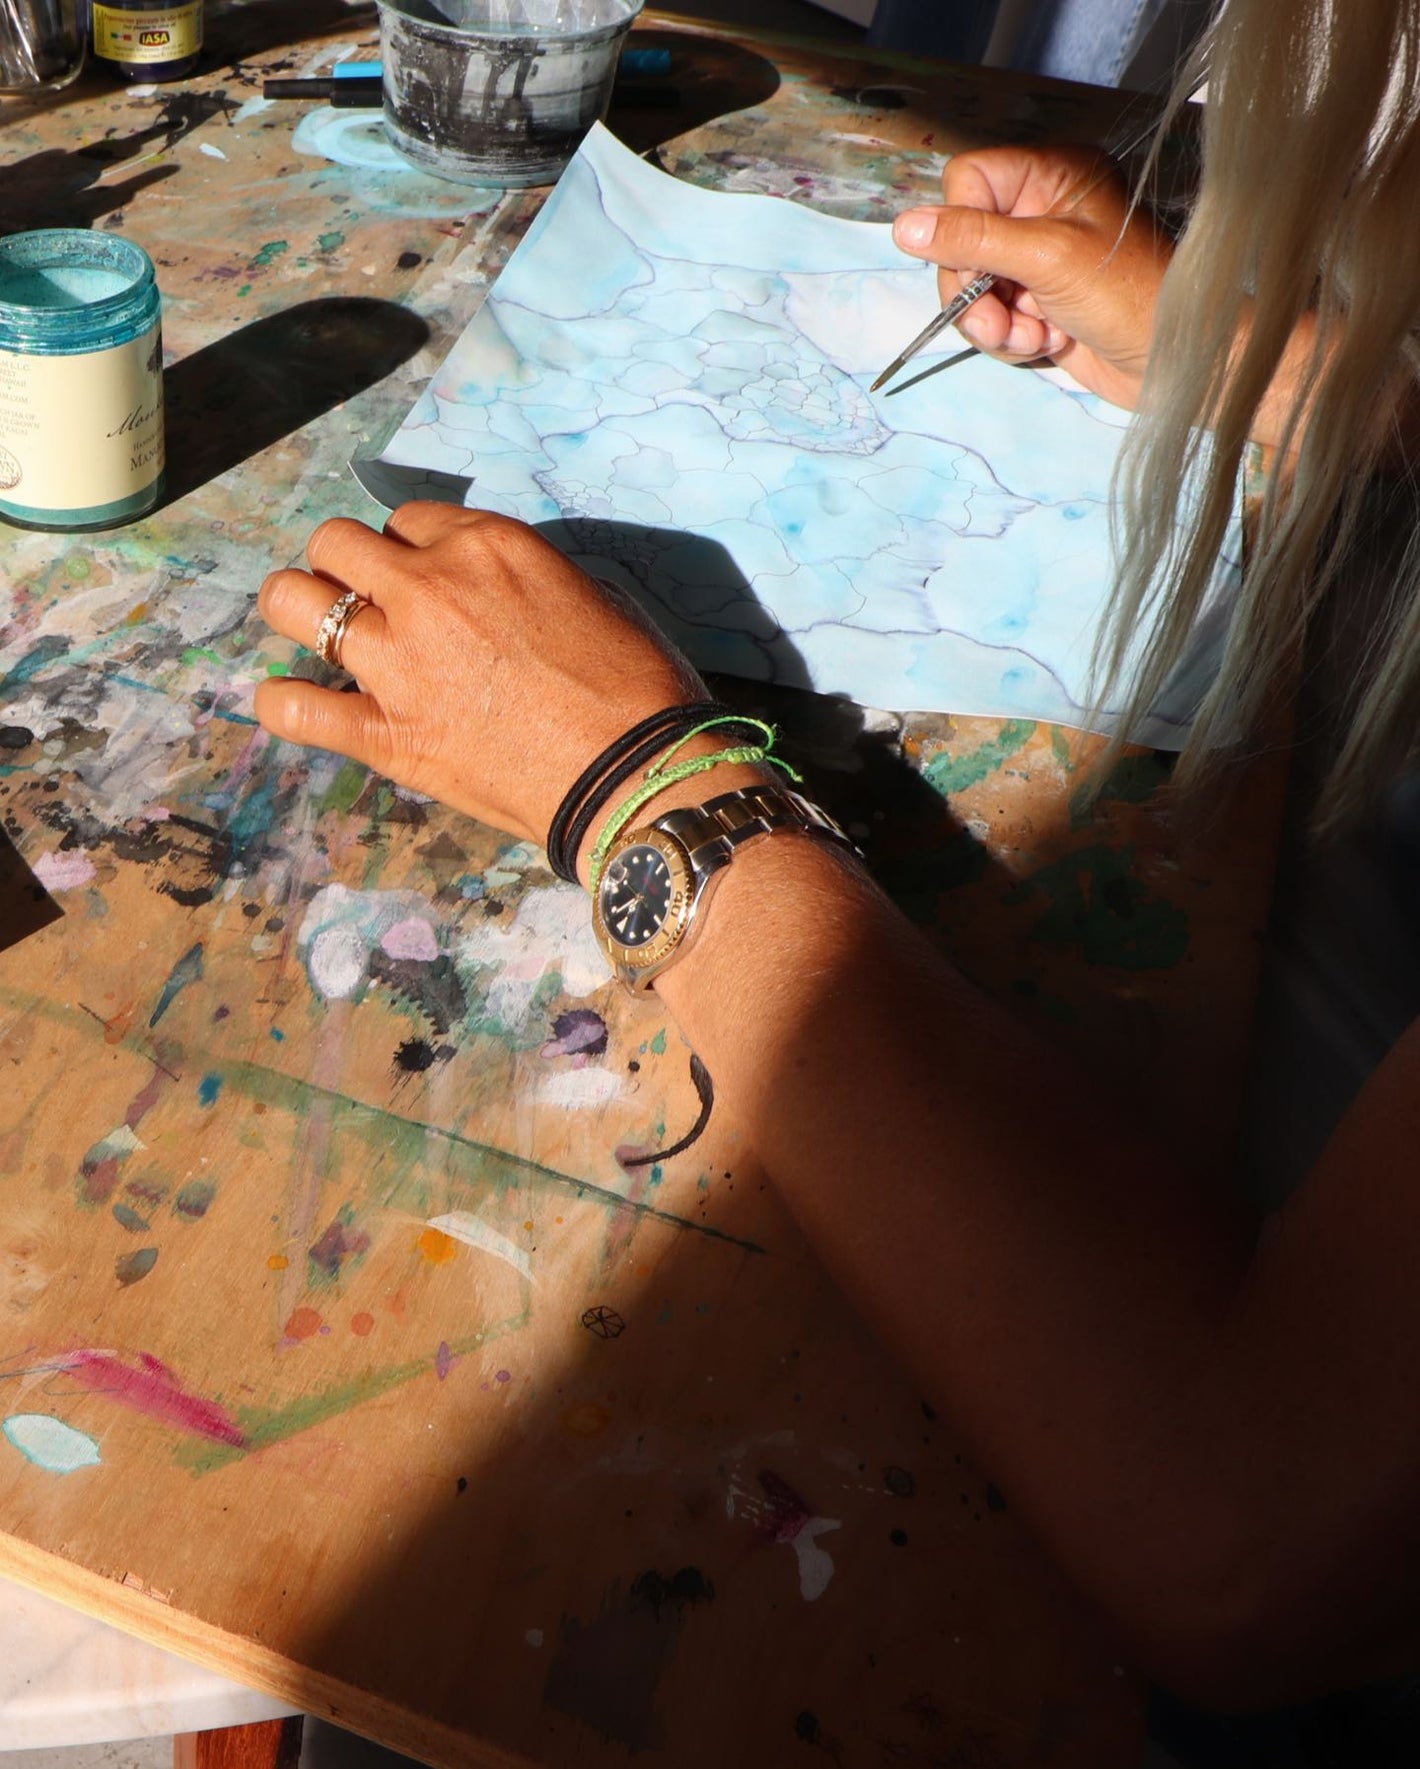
{"x": 150, "y": 1388}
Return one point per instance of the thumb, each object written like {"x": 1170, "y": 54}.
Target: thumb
{"x": 1017, "y": 248}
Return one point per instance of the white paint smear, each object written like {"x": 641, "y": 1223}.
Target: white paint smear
{"x": 63, "y": 872}
{"x": 473, "y": 1231}
{"x": 51, "y": 1444}
{"x": 574, "y": 1089}
{"x": 815, "y": 1566}
{"x": 337, "y": 962}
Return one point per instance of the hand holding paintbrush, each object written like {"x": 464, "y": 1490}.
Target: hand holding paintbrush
{"x": 1060, "y": 267}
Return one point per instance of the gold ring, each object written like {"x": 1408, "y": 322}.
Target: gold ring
{"x": 330, "y": 635}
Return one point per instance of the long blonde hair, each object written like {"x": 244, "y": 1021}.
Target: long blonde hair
{"x": 1309, "y": 199}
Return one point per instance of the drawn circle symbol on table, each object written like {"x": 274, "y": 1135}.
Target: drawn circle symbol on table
{"x": 605, "y": 1322}
{"x": 10, "y": 471}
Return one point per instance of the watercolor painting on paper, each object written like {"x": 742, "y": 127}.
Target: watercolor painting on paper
{"x": 673, "y": 383}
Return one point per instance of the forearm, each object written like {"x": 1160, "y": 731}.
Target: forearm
{"x": 1044, "y": 1272}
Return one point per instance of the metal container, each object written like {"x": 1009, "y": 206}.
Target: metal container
{"x": 498, "y": 92}
{"x": 81, "y": 380}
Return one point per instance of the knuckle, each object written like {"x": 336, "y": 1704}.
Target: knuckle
{"x": 277, "y": 593}
{"x": 329, "y": 537}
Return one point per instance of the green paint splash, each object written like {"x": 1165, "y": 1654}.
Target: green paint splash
{"x": 1094, "y": 901}
{"x": 951, "y": 774}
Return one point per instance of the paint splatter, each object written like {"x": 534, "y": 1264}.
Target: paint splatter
{"x": 786, "y": 1518}
{"x": 463, "y": 1225}
{"x": 188, "y": 969}
{"x": 550, "y": 932}
{"x": 51, "y": 1444}
{"x": 338, "y": 1241}
{"x": 412, "y": 938}
{"x": 304, "y": 1323}
{"x": 362, "y": 1324}
{"x": 951, "y": 774}
{"x": 268, "y": 254}
{"x": 129, "y": 1268}
{"x": 688, "y": 1586}
{"x": 582, "y": 1032}
{"x": 443, "y": 1360}
{"x": 208, "y": 1089}
{"x": 337, "y": 962}
{"x": 63, "y": 872}
{"x": 148, "y": 1387}
{"x": 416, "y": 1055}
{"x": 606, "y": 1672}
{"x": 578, "y": 1089}
{"x": 194, "y": 1200}
{"x": 98, "y": 1170}
{"x": 1095, "y": 900}
{"x": 437, "y": 1246}
{"x": 630, "y": 1157}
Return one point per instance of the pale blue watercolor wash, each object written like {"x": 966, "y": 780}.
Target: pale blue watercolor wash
{"x": 51, "y": 1444}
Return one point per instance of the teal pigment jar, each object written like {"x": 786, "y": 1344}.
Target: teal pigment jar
{"x": 81, "y": 380}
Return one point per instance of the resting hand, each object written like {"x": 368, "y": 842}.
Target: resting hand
{"x": 491, "y": 670}
{"x": 1078, "y": 286}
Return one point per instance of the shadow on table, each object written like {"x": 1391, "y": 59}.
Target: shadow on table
{"x": 706, "y": 78}
{"x": 661, "y": 1425}
{"x": 25, "y": 905}
{"x": 237, "y": 396}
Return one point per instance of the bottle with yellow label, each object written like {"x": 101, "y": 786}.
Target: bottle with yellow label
{"x": 149, "y": 39}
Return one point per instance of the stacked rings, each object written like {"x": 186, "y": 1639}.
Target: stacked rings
{"x": 330, "y": 635}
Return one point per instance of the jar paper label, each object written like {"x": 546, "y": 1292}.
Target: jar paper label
{"x": 121, "y": 34}
{"x": 77, "y": 432}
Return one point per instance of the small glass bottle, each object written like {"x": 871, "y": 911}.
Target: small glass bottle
{"x": 149, "y": 39}
{"x": 81, "y": 380}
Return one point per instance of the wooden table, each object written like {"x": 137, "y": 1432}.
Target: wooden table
{"x": 446, "y": 1365}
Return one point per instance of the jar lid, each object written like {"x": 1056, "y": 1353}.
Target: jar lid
{"x": 65, "y": 290}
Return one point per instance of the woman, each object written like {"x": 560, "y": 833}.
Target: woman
{"x": 1214, "y": 1429}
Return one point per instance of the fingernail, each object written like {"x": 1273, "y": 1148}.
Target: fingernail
{"x": 915, "y": 228}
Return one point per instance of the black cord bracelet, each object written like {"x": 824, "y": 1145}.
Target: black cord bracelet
{"x": 589, "y": 788}
{"x": 734, "y": 729}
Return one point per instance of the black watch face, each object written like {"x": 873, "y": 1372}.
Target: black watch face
{"x": 636, "y": 895}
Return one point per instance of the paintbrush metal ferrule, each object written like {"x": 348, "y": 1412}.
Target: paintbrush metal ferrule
{"x": 950, "y": 314}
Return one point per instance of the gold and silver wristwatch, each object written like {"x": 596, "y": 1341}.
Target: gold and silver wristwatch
{"x": 657, "y": 879}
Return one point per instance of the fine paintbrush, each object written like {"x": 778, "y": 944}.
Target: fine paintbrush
{"x": 950, "y": 314}
{"x": 981, "y": 285}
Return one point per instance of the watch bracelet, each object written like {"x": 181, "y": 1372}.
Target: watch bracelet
{"x": 711, "y": 832}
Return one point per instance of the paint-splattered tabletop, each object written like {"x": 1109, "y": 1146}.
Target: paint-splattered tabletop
{"x": 386, "y": 1318}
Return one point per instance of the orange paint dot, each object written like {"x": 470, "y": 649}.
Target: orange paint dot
{"x": 361, "y": 1324}
{"x": 303, "y": 1323}
{"x": 528, "y": 1227}
{"x": 395, "y": 1304}
{"x": 557, "y": 1219}
{"x": 277, "y": 1262}
{"x": 586, "y": 1419}
{"x": 437, "y": 1247}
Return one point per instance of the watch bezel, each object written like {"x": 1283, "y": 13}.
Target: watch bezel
{"x": 640, "y": 962}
